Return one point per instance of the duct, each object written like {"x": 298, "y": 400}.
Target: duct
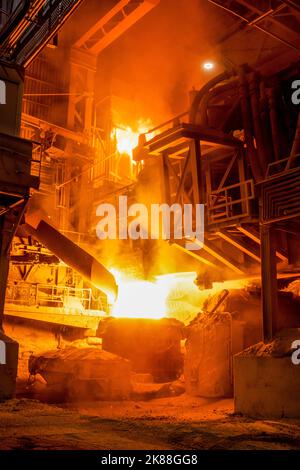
{"x": 275, "y": 127}
{"x": 246, "y": 113}
{"x": 75, "y": 257}
{"x": 200, "y": 104}
{"x": 257, "y": 124}
{"x": 211, "y": 95}
{"x": 204, "y": 90}
{"x": 266, "y": 124}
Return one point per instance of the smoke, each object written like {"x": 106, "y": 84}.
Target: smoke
{"x": 159, "y": 59}
{"x": 152, "y": 67}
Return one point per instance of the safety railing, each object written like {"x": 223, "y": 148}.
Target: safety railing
{"x": 61, "y": 297}
{"x": 280, "y": 166}
{"x": 230, "y": 202}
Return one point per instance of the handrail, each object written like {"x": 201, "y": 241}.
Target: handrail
{"x": 58, "y": 296}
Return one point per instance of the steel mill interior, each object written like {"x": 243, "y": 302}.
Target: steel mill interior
{"x": 150, "y": 224}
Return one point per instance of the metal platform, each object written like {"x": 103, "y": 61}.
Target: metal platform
{"x": 176, "y": 141}
{"x": 207, "y": 166}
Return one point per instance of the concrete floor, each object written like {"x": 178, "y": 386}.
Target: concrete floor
{"x": 168, "y": 423}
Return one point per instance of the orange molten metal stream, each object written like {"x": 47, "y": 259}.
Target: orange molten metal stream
{"x": 138, "y": 298}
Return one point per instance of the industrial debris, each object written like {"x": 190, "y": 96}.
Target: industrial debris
{"x": 83, "y": 374}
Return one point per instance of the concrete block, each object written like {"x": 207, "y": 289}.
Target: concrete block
{"x": 266, "y": 386}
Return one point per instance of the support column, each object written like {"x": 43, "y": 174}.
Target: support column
{"x": 82, "y": 86}
{"x": 83, "y": 66}
{"x": 197, "y": 173}
{"x": 9, "y": 349}
{"x": 4, "y": 264}
{"x": 269, "y": 290}
{"x": 165, "y": 179}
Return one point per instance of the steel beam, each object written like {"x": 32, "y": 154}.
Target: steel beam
{"x": 238, "y": 244}
{"x": 112, "y": 25}
{"x": 213, "y": 251}
{"x": 262, "y": 15}
{"x": 254, "y": 235}
{"x": 195, "y": 255}
{"x": 217, "y": 254}
{"x": 269, "y": 289}
{"x": 32, "y": 121}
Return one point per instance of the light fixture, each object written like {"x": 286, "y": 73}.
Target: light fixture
{"x": 208, "y": 65}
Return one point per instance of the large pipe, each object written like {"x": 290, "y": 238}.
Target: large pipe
{"x": 75, "y": 257}
{"x": 201, "y": 93}
{"x": 214, "y": 93}
{"x": 251, "y": 152}
{"x": 257, "y": 124}
{"x": 265, "y": 116}
{"x": 274, "y": 121}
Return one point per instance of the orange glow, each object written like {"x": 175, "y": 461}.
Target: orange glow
{"x": 127, "y": 138}
{"x": 208, "y": 65}
{"x": 139, "y": 298}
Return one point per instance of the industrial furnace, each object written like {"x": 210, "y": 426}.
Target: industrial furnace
{"x": 150, "y": 224}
